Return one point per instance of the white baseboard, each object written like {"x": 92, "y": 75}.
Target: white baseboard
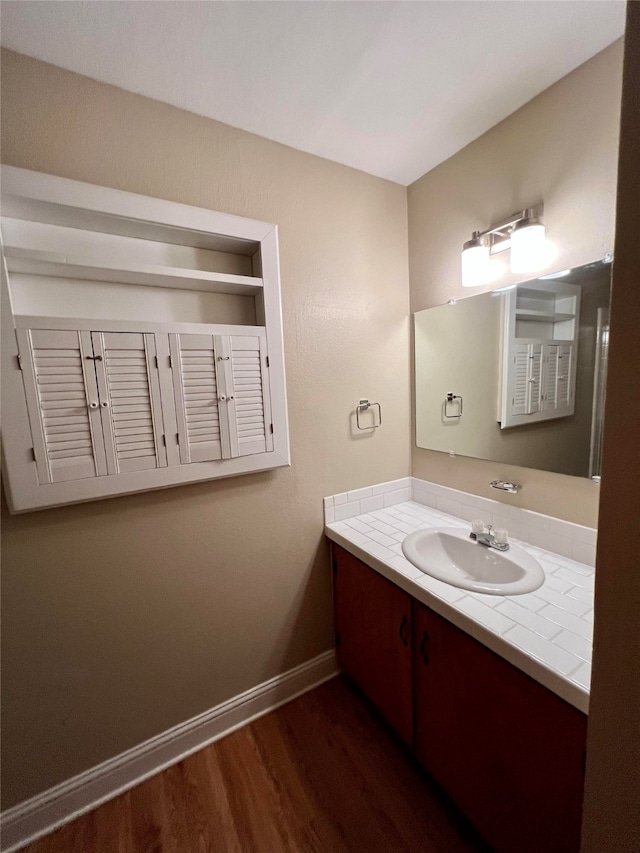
{"x": 45, "y": 812}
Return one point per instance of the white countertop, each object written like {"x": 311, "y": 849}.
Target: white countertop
{"x": 546, "y": 634}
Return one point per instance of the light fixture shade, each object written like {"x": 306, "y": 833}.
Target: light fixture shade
{"x": 476, "y": 262}
{"x": 528, "y": 246}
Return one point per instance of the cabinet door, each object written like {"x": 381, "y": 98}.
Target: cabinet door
{"x": 246, "y": 388}
{"x": 62, "y": 401}
{"x": 130, "y": 403}
{"x": 373, "y": 638}
{"x": 195, "y": 385}
{"x": 559, "y": 375}
{"x": 508, "y": 751}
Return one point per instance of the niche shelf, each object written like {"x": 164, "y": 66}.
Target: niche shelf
{"x": 39, "y": 262}
{"x": 142, "y": 343}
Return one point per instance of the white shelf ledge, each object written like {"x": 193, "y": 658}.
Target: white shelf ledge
{"x": 35, "y": 262}
{"x": 542, "y": 316}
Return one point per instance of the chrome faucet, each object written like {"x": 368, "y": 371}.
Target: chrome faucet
{"x": 487, "y": 537}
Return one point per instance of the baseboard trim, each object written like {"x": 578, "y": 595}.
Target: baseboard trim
{"x": 45, "y": 812}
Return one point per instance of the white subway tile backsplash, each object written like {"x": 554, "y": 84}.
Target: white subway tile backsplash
{"x": 584, "y": 553}
{"x": 449, "y": 506}
{"x": 471, "y": 513}
{"x": 358, "y": 495}
{"x": 395, "y": 497}
{"x": 343, "y": 511}
{"x": 372, "y": 504}
{"x": 329, "y": 516}
{"x": 340, "y": 499}
{"x": 425, "y": 498}
{"x": 327, "y": 503}
{"x": 551, "y": 541}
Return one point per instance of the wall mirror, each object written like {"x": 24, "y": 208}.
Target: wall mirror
{"x": 518, "y": 375}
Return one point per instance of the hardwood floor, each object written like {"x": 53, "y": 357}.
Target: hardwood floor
{"x": 319, "y": 775}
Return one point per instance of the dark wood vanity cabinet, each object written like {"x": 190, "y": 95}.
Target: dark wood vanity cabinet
{"x": 508, "y": 751}
{"x": 373, "y": 638}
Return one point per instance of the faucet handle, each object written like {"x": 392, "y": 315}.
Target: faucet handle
{"x": 501, "y": 536}
{"x": 477, "y": 526}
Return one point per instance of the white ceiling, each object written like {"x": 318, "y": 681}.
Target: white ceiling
{"x": 392, "y": 88}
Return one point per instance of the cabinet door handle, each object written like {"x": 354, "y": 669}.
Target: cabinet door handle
{"x": 424, "y": 652}
{"x": 403, "y": 625}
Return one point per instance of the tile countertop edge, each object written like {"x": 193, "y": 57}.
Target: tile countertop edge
{"x": 566, "y": 689}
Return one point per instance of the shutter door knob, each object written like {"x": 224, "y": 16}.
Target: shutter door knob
{"x": 104, "y": 404}
{"x": 93, "y": 405}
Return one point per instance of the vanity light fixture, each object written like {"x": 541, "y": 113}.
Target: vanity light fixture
{"x": 522, "y": 232}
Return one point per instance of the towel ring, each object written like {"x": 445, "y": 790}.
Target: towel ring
{"x": 363, "y": 406}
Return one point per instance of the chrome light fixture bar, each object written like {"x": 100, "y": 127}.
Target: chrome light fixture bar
{"x": 522, "y": 232}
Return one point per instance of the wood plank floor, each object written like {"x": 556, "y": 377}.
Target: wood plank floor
{"x": 319, "y": 775}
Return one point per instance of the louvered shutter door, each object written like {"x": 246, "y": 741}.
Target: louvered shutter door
{"x": 196, "y": 395}
{"x": 564, "y": 376}
{"x": 247, "y": 389}
{"x": 129, "y": 401}
{"x": 60, "y": 383}
{"x": 534, "y": 379}
{"x": 551, "y": 377}
{"x": 519, "y": 398}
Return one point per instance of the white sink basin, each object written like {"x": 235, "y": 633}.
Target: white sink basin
{"x": 449, "y": 555}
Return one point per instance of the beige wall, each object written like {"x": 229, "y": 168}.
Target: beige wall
{"x": 126, "y": 616}
{"x": 560, "y": 148}
{"x": 611, "y": 818}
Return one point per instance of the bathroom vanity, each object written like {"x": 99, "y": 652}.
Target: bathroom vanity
{"x": 500, "y": 728}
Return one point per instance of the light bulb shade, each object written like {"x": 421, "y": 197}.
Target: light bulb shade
{"x": 476, "y": 263}
{"x": 528, "y": 246}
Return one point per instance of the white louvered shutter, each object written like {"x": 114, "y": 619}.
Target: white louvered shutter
{"x": 195, "y": 387}
{"x": 62, "y": 401}
{"x": 129, "y": 401}
{"x": 534, "y": 379}
{"x": 248, "y": 401}
{"x": 519, "y": 399}
{"x": 551, "y": 377}
{"x": 564, "y": 376}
